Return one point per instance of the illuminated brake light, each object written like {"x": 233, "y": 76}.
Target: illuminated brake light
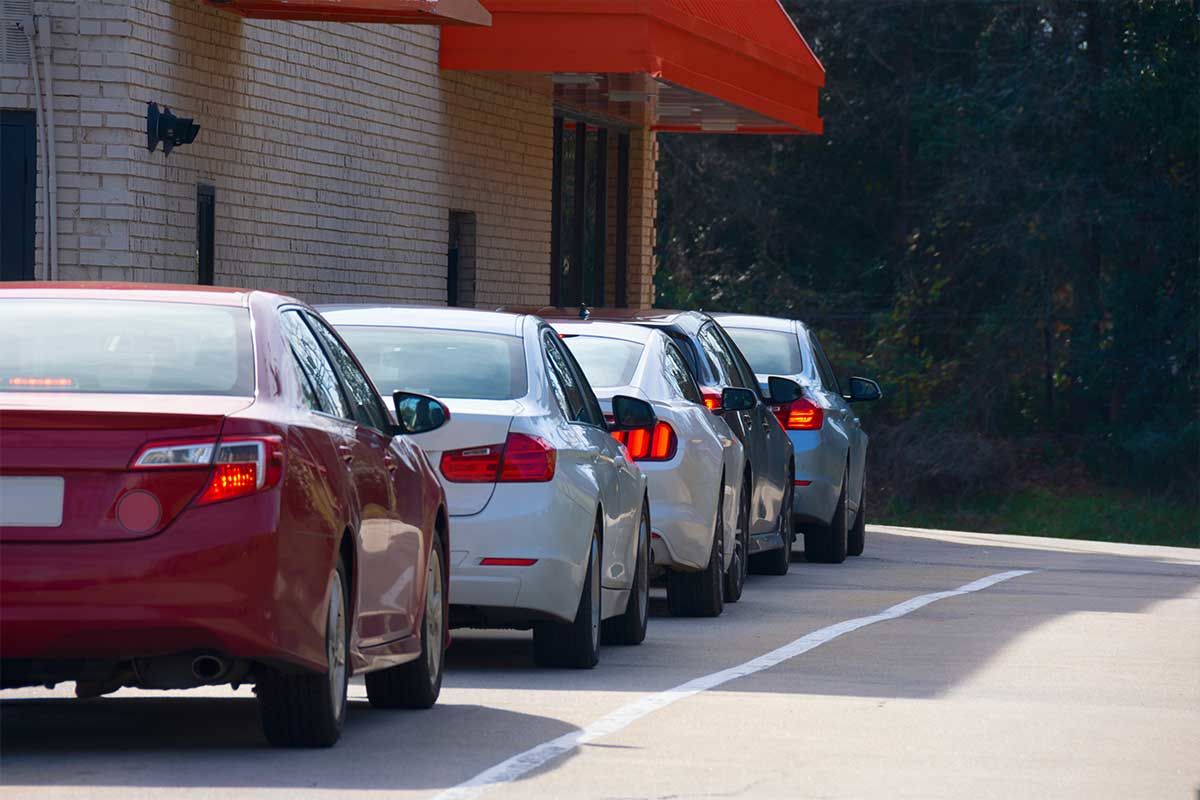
{"x": 800, "y": 415}
{"x": 239, "y": 466}
{"x": 40, "y": 382}
{"x": 521, "y": 459}
{"x": 712, "y": 400}
{"x": 658, "y": 444}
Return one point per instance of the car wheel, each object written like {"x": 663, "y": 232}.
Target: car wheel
{"x": 735, "y": 578}
{"x": 630, "y": 627}
{"x": 308, "y": 709}
{"x": 779, "y": 560}
{"x": 828, "y": 543}
{"x": 856, "y": 540}
{"x": 575, "y": 644}
{"x": 700, "y": 594}
{"x": 418, "y": 683}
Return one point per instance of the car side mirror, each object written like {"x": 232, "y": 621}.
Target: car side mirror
{"x": 418, "y": 413}
{"x": 783, "y": 390}
{"x": 630, "y": 413}
{"x": 735, "y": 398}
{"x": 863, "y": 390}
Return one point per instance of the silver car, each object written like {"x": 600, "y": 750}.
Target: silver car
{"x": 829, "y": 443}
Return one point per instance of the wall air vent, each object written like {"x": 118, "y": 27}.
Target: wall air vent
{"x": 14, "y": 47}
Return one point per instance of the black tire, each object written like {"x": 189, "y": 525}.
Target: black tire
{"x": 700, "y": 594}
{"x": 856, "y": 539}
{"x": 828, "y": 543}
{"x": 779, "y": 560}
{"x": 630, "y": 627}
{"x": 574, "y": 644}
{"x": 418, "y": 683}
{"x": 735, "y": 577}
{"x": 308, "y": 709}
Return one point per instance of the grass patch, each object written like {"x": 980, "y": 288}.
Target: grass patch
{"x": 1096, "y": 513}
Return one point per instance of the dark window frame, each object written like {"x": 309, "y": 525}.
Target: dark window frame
{"x": 206, "y": 234}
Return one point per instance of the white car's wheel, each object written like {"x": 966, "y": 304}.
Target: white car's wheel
{"x": 576, "y": 643}
{"x": 630, "y": 627}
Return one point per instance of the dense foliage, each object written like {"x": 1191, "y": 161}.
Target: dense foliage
{"x": 1000, "y": 224}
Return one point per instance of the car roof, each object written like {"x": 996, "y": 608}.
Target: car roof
{"x": 756, "y": 322}
{"x": 414, "y": 316}
{"x": 608, "y": 330}
{"x": 162, "y": 292}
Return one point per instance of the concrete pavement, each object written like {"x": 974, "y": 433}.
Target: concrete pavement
{"x": 1079, "y": 679}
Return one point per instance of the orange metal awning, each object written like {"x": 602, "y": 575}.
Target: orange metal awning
{"x": 674, "y": 65}
{"x": 401, "y": 12}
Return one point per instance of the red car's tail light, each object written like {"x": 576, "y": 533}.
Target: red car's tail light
{"x": 659, "y": 444}
{"x": 239, "y": 466}
{"x": 800, "y": 415}
{"x": 521, "y": 459}
{"x": 712, "y": 400}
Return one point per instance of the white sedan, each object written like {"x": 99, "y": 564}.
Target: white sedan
{"x": 549, "y": 518}
{"x": 692, "y": 459}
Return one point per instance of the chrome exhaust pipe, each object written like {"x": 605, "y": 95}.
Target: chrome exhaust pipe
{"x": 209, "y": 668}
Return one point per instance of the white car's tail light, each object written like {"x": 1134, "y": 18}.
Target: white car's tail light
{"x": 521, "y": 459}
{"x": 801, "y": 414}
{"x": 644, "y": 444}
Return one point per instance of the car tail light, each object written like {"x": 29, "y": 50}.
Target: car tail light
{"x": 712, "y": 400}
{"x": 240, "y": 467}
{"x": 800, "y": 415}
{"x": 645, "y": 444}
{"x": 521, "y": 459}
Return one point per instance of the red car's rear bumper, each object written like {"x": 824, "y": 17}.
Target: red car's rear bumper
{"x": 219, "y": 578}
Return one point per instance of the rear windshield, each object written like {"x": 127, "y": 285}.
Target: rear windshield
{"x": 125, "y": 347}
{"x": 606, "y": 362}
{"x": 464, "y": 364}
{"x": 769, "y": 352}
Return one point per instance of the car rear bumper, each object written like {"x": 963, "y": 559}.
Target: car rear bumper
{"x": 530, "y": 521}
{"x": 820, "y": 462}
{"x": 683, "y": 530}
{"x": 219, "y": 578}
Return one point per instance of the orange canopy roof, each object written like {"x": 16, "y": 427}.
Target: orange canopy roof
{"x": 403, "y": 12}
{"x": 674, "y": 65}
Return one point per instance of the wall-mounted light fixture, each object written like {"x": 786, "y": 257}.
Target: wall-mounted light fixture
{"x": 163, "y": 126}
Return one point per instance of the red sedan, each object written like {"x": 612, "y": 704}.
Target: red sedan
{"x": 201, "y": 486}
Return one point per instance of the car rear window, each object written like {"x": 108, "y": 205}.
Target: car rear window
{"x": 469, "y": 365}
{"x": 769, "y": 352}
{"x": 606, "y": 362}
{"x": 125, "y": 347}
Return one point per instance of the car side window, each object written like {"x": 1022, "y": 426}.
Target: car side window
{"x": 565, "y": 387}
{"x": 592, "y": 413}
{"x": 308, "y": 390}
{"x": 315, "y": 365}
{"x": 828, "y": 378}
{"x": 679, "y": 375}
{"x": 719, "y": 357}
{"x": 368, "y": 410}
{"x": 743, "y": 366}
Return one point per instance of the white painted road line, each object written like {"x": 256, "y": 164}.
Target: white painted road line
{"x": 531, "y": 759}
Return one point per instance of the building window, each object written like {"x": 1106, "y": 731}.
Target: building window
{"x": 460, "y": 260}
{"x": 18, "y": 186}
{"x": 206, "y": 211}
{"x": 583, "y": 257}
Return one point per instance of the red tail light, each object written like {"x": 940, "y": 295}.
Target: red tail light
{"x": 521, "y": 459}
{"x": 659, "y": 444}
{"x": 800, "y": 415}
{"x": 712, "y": 400}
{"x": 240, "y": 466}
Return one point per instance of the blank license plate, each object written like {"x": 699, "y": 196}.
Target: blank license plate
{"x": 31, "y": 502}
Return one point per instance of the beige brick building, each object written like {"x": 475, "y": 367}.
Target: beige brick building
{"x": 337, "y": 161}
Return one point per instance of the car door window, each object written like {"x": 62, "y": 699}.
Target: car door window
{"x": 368, "y": 410}
{"x": 721, "y": 361}
{"x": 828, "y": 378}
{"x": 592, "y": 414}
{"x": 743, "y": 366}
{"x": 308, "y": 390}
{"x": 679, "y": 376}
{"x": 565, "y": 387}
{"x": 315, "y": 365}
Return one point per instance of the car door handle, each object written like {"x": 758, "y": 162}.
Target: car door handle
{"x": 346, "y": 452}
{"x": 390, "y": 462}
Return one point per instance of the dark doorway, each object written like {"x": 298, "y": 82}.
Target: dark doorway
{"x": 206, "y": 225}
{"x": 583, "y": 214}
{"x": 460, "y": 260}
{"x": 18, "y": 194}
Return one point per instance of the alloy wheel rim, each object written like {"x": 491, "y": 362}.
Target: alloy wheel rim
{"x": 433, "y": 617}
{"x": 595, "y": 591}
{"x": 744, "y": 536}
{"x": 643, "y": 573}
{"x": 335, "y": 645}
